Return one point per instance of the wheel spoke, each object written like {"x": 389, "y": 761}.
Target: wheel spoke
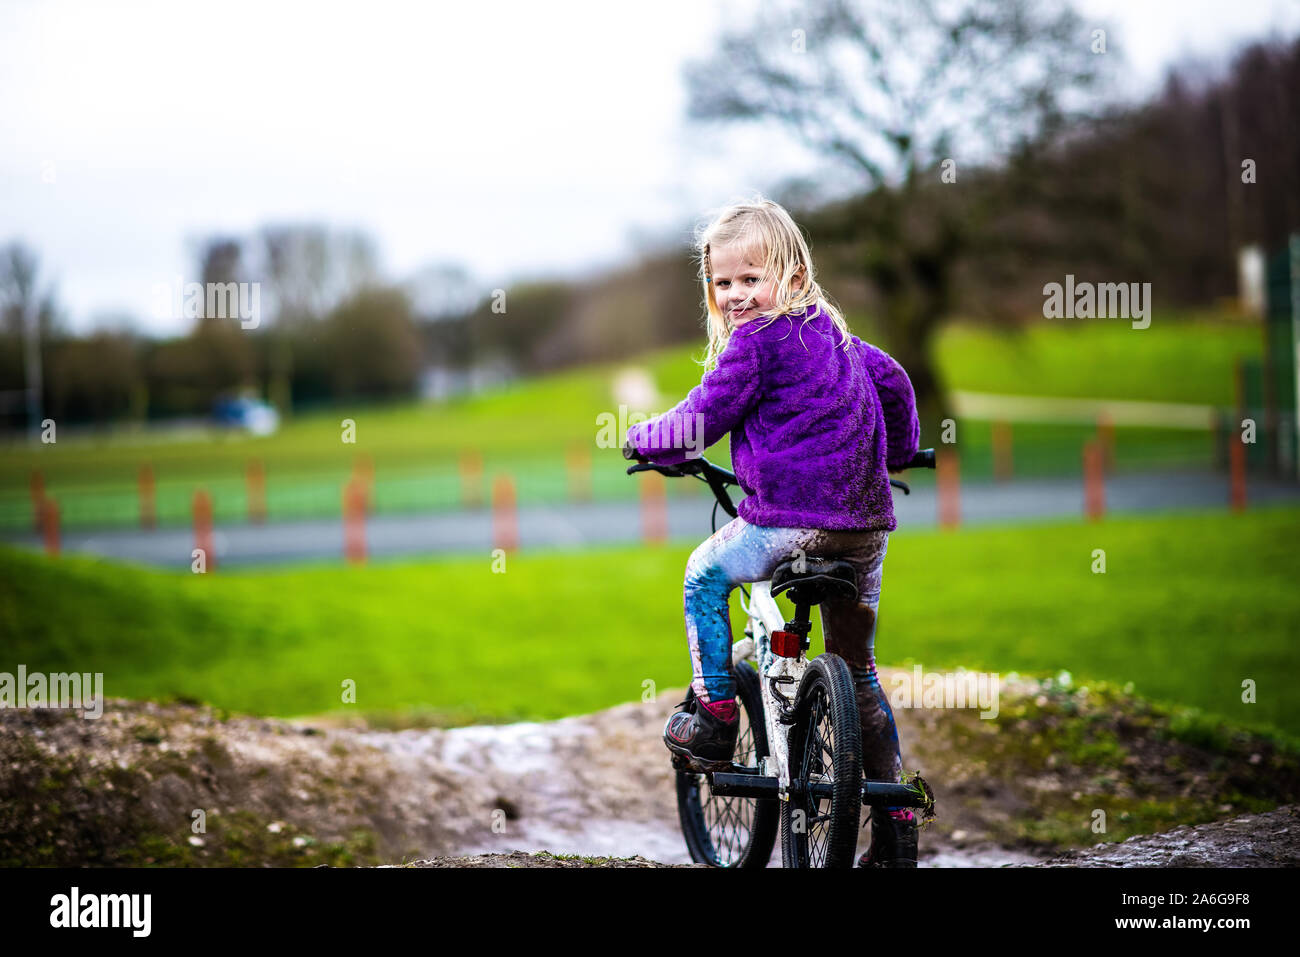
{"x": 729, "y": 820}
{"x": 817, "y": 766}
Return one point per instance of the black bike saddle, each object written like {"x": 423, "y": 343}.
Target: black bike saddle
{"x": 821, "y": 580}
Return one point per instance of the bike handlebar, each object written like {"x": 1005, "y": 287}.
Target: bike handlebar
{"x": 923, "y": 459}
{"x": 719, "y": 478}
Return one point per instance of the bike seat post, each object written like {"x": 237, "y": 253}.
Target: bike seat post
{"x": 801, "y": 623}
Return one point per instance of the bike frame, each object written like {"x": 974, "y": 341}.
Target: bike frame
{"x": 772, "y": 778}
{"x": 773, "y": 671}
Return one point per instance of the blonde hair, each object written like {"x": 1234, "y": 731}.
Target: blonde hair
{"x": 764, "y": 227}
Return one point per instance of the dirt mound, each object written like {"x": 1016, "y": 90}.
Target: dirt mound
{"x": 125, "y": 789}
{"x": 1251, "y": 840}
{"x": 192, "y": 786}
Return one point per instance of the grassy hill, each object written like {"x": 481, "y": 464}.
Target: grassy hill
{"x": 1190, "y": 607}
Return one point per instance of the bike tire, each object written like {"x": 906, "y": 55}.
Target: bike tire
{"x": 731, "y": 832}
{"x": 826, "y": 734}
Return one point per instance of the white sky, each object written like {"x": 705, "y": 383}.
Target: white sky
{"x": 513, "y": 138}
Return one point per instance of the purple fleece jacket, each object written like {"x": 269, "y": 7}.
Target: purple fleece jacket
{"x": 814, "y": 429}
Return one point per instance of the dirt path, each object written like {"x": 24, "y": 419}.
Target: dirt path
{"x": 1022, "y": 789}
{"x": 540, "y": 859}
{"x": 1251, "y": 840}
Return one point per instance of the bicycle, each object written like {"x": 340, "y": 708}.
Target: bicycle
{"x": 798, "y": 760}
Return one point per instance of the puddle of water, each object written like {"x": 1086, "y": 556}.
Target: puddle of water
{"x": 975, "y": 857}
{"x": 613, "y": 838}
{"x": 537, "y": 760}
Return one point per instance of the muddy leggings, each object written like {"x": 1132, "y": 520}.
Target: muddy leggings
{"x": 740, "y": 552}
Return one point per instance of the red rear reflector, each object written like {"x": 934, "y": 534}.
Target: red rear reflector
{"x": 786, "y": 644}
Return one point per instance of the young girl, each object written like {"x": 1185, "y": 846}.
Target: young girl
{"x": 817, "y": 419}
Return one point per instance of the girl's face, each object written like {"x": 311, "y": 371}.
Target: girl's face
{"x": 739, "y": 289}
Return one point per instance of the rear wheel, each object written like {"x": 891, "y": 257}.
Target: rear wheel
{"x": 819, "y": 824}
{"x": 731, "y": 831}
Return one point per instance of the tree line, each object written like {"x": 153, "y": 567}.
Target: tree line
{"x": 1165, "y": 192}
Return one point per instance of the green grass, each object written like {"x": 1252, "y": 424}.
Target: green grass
{"x": 1175, "y": 359}
{"x": 529, "y": 429}
{"x": 1189, "y": 607}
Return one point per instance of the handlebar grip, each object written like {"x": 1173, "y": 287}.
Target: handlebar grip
{"x": 923, "y": 459}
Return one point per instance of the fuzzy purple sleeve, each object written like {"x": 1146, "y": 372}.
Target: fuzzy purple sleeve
{"x": 722, "y": 400}
{"x": 898, "y": 403}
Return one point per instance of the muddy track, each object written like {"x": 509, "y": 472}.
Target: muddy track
{"x": 1251, "y": 840}
{"x": 1023, "y": 789}
{"x": 540, "y": 859}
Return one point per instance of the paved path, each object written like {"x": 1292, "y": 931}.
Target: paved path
{"x": 620, "y": 522}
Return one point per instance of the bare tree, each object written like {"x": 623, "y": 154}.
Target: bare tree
{"x": 443, "y": 289}
{"x": 903, "y": 92}
{"x": 220, "y": 262}
{"x": 310, "y": 270}
{"x": 28, "y": 314}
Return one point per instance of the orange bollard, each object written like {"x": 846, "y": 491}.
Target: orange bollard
{"x": 38, "y": 497}
{"x": 1094, "y": 480}
{"x": 256, "y": 476}
{"x": 49, "y": 519}
{"x": 148, "y": 498}
{"x": 1237, "y": 468}
{"x": 948, "y": 481}
{"x": 1002, "y": 451}
{"x": 471, "y": 479}
{"x": 203, "y": 529}
{"x": 363, "y": 467}
{"x": 580, "y": 473}
{"x": 354, "y": 521}
{"x": 1106, "y": 433}
{"x": 654, "y": 509}
{"x": 363, "y": 470}
{"x": 505, "y": 516}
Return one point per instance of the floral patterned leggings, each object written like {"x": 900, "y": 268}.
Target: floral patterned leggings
{"x": 740, "y": 552}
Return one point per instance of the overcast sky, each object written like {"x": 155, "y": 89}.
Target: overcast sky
{"x": 513, "y": 138}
